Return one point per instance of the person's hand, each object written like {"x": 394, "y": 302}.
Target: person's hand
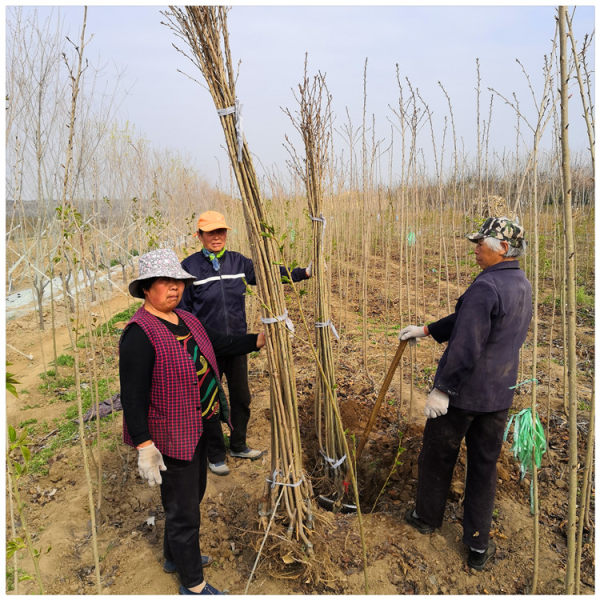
{"x": 309, "y": 270}
{"x": 260, "y": 340}
{"x": 411, "y": 333}
{"x": 150, "y": 464}
{"x": 436, "y": 404}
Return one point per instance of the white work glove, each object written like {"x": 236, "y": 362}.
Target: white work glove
{"x": 436, "y": 404}
{"x": 309, "y": 270}
{"x": 411, "y": 333}
{"x": 150, "y": 464}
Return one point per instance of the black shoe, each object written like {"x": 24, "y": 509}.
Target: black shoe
{"x": 207, "y": 590}
{"x": 169, "y": 565}
{"x": 417, "y": 523}
{"x": 478, "y": 560}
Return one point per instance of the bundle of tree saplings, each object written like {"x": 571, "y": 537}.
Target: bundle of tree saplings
{"x": 204, "y": 30}
{"x": 313, "y": 123}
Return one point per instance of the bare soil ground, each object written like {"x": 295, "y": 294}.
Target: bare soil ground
{"x": 400, "y": 560}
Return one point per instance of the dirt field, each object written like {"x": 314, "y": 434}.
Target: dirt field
{"x": 400, "y": 560}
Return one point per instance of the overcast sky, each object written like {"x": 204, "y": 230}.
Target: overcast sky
{"x": 429, "y": 44}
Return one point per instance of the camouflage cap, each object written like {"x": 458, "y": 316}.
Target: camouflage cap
{"x": 500, "y": 228}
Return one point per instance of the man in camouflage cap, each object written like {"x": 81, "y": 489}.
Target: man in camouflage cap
{"x": 474, "y": 386}
{"x": 500, "y": 228}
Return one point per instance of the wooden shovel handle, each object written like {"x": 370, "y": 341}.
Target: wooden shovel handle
{"x": 380, "y": 397}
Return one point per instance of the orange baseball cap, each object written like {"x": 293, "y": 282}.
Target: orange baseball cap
{"x": 211, "y": 220}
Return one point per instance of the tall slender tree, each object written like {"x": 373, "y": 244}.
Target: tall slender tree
{"x": 571, "y": 306}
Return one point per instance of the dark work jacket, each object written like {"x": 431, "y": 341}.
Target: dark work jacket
{"x": 484, "y": 335}
{"x": 218, "y": 298}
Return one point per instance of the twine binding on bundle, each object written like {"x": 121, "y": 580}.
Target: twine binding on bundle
{"x": 235, "y": 110}
{"x": 332, "y": 462}
{"x": 284, "y": 317}
{"x": 320, "y": 219}
{"x": 274, "y": 481}
{"x": 330, "y": 324}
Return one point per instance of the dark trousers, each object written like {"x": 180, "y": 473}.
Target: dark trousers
{"x": 235, "y": 369}
{"x": 182, "y": 490}
{"x": 483, "y": 433}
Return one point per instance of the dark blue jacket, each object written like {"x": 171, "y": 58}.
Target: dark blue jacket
{"x": 484, "y": 335}
{"x": 218, "y": 298}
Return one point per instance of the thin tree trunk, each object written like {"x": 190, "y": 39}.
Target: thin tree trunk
{"x": 571, "y": 306}
{"x": 70, "y": 224}
{"x": 585, "y": 492}
{"x": 534, "y": 359}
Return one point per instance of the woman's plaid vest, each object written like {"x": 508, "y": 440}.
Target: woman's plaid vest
{"x": 175, "y": 412}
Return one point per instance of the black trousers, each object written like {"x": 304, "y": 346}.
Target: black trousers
{"x": 483, "y": 433}
{"x": 182, "y": 490}
{"x": 235, "y": 369}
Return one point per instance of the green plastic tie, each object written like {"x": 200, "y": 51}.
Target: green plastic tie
{"x": 514, "y": 387}
{"x": 411, "y": 238}
{"x": 529, "y": 443}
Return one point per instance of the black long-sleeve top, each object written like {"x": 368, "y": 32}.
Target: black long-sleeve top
{"x": 136, "y": 363}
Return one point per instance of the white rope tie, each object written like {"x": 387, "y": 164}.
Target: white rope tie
{"x": 274, "y": 481}
{"x": 236, "y": 111}
{"x": 329, "y": 324}
{"x": 320, "y": 219}
{"x": 332, "y": 462}
{"x": 284, "y": 317}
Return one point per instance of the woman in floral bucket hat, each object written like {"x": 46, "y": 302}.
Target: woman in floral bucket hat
{"x": 474, "y": 386}
{"x": 172, "y": 398}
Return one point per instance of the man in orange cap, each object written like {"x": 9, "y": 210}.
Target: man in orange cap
{"x": 217, "y": 298}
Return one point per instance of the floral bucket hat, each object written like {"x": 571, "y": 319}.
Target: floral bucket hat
{"x": 158, "y": 263}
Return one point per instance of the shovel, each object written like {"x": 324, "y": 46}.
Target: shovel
{"x": 380, "y": 397}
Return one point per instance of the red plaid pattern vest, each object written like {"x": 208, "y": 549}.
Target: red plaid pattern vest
{"x": 175, "y": 415}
